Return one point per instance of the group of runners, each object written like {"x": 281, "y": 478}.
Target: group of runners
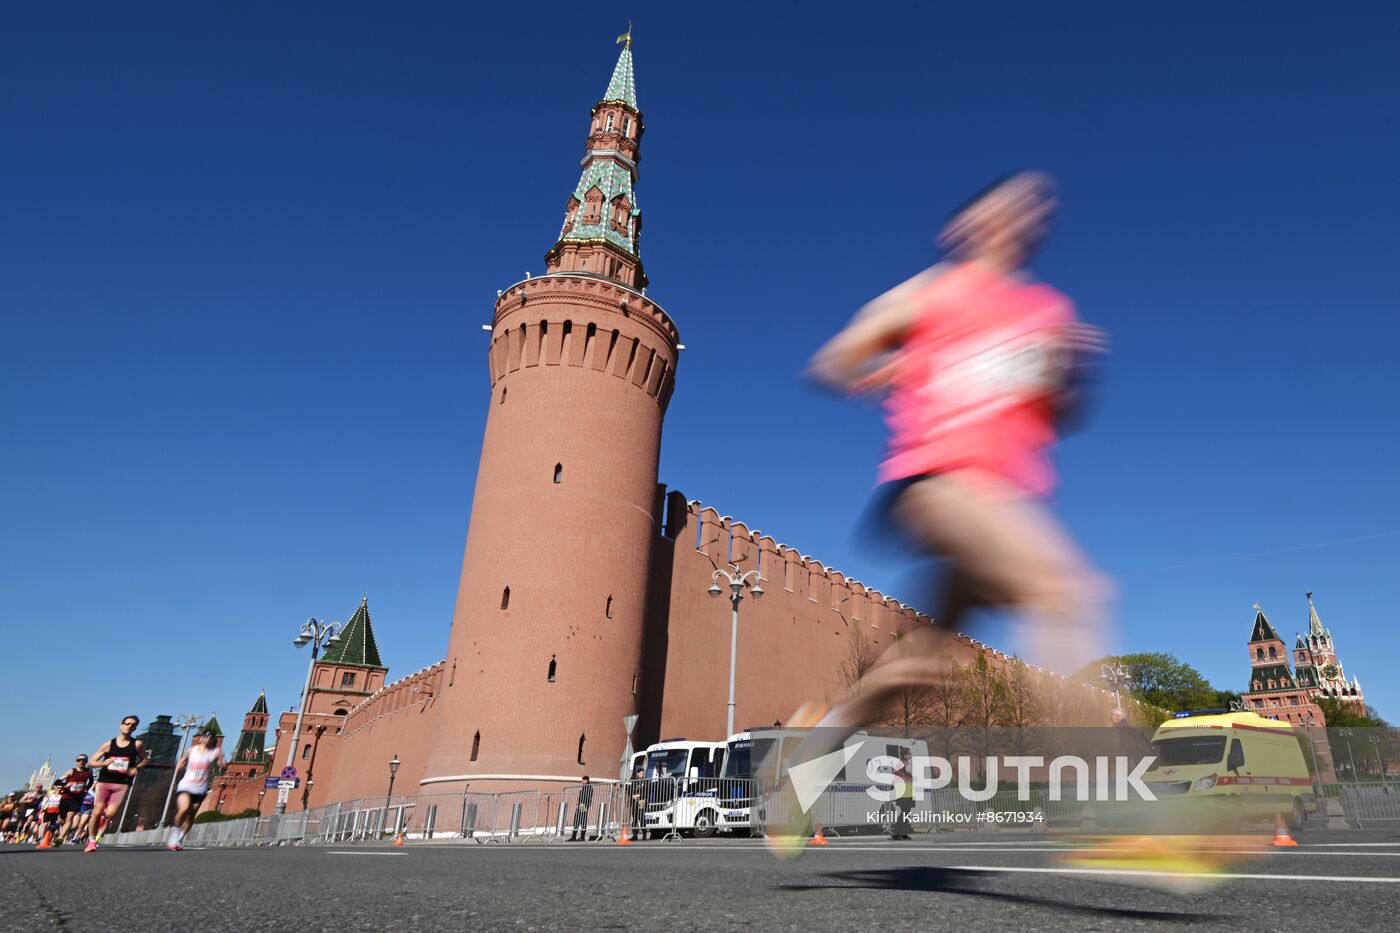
{"x": 86, "y": 801}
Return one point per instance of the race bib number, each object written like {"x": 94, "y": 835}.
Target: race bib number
{"x": 76, "y": 788}
{"x": 119, "y": 765}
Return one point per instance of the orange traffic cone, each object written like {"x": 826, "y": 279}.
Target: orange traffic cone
{"x": 819, "y": 839}
{"x": 398, "y": 840}
{"x": 1281, "y": 835}
{"x": 624, "y": 839}
{"x": 47, "y": 842}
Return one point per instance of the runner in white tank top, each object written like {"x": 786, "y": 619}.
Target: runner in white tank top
{"x": 199, "y": 762}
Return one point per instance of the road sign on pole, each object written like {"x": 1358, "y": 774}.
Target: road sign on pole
{"x": 625, "y": 771}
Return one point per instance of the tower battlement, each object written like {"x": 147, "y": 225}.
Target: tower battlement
{"x": 586, "y": 322}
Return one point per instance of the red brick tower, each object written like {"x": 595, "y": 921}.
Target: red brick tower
{"x": 545, "y": 653}
{"x": 1273, "y": 690}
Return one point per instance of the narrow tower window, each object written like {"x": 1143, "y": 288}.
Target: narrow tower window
{"x": 608, "y": 610}
{"x": 608, "y": 128}
{"x": 558, "y": 473}
{"x": 505, "y": 598}
{"x": 553, "y": 668}
{"x": 306, "y": 751}
{"x": 503, "y": 396}
{"x": 476, "y": 744}
{"x": 581, "y": 740}
{"x": 627, "y": 126}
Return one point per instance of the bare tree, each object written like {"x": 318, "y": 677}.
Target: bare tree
{"x": 1023, "y": 705}
{"x": 861, "y": 655}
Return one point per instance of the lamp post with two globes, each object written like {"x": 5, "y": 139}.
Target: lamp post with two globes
{"x": 736, "y": 582}
{"x": 318, "y": 634}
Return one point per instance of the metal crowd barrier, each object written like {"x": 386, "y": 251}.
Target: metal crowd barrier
{"x": 675, "y": 808}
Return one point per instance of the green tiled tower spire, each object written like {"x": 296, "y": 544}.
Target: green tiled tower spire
{"x": 357, "y": 647}
{"x": 602, "y": 227}
{"x": 623, "y": 86}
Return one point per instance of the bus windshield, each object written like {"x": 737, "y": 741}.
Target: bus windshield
{"x": 667, "y": 762}
{"x": 743, "y": 755}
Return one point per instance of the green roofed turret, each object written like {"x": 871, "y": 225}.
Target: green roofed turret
{"x": 357, "y": 647}
{"x": 1263, "y": 631}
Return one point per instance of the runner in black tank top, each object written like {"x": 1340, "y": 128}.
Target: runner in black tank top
{"x": 119, "y": 759}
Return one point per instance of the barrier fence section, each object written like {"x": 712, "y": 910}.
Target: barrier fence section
{"x": 675, "y": 808}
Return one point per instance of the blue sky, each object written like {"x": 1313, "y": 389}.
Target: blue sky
{"x": 246, "y": 252}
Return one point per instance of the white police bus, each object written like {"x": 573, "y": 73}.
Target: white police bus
{"x": 681, "y": 787}
{"x": 757, "y": 759}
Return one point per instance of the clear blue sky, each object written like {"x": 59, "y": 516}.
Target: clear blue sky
{"x": 246, "y": 251}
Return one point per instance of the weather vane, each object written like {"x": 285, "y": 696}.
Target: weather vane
{"x": 626, "y": 36}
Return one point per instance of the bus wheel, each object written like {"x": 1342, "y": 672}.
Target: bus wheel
{"x": 704, "y": 824}
{"x": 1296, "y": 815}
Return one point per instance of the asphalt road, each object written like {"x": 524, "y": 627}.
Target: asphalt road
{"x": 1337, "y": 881}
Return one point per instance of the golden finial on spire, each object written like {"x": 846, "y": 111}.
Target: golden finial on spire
{"x": 1256, "y": 608}
{"x": 626, "y": 36}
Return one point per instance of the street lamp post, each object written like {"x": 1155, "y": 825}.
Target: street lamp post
{"x": 393, "y": 772}
{"x": 1115, "y": 675}
{"x": 736, "y": 582}
{"x": 1376, "y": 744}
{"x": 1351, "y": 756}
{"x": 187, "y": 723}
{"x": 318, "y": 634}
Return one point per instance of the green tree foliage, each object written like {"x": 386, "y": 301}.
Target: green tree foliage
{"x": 213, "y": 816}
{"x": 1159, "y": 680}
{"x": 1341, "y": 714}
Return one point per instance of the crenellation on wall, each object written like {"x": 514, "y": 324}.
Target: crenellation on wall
{"x": 417, "y": 689}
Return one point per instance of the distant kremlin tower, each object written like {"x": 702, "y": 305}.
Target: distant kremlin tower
{"x": 1278, "y": 692}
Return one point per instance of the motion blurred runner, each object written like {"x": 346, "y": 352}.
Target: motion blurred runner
{"x": 977, "y": 364}
{"x": 199, "y": 763}
{"x": 980, "y": 366}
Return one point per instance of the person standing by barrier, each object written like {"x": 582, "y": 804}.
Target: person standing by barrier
{"x": 118, "y": 760}
{"x": 903, "y": 829}
{"x": 585, "y": 802}
{"x": 199, "y": 762}
{"x": 639, "y": 802}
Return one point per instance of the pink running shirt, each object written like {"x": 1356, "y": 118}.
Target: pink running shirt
{"x": 976, "y": 379}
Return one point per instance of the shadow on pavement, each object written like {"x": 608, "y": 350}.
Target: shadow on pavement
{"x": 956, "y": 881}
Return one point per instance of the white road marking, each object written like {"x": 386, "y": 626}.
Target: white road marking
{"x": 366, "y": 853}
{"x": 1171, "y": 874}
{"x": 848, "y": 848}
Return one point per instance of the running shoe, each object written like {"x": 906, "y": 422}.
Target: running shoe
{"x": 91, "y": 846}
{"x": 1184, "y": 864}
